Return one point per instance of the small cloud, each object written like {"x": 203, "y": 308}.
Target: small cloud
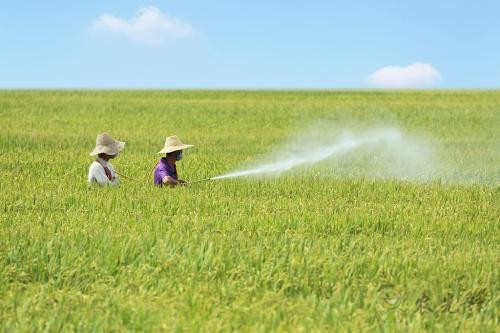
{"x": 414, "y": 75}
{"x": 149, "y": 26}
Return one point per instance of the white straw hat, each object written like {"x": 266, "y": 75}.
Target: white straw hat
{"x": 173, "y": 143}
{"x": 104, "y": 143}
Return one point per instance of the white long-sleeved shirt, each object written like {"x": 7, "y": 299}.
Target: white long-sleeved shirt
{"x": 98, "y": 175}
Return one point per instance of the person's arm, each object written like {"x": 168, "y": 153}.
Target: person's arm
{"x": 162, "y": 173}
{"x": 168, "y": 180}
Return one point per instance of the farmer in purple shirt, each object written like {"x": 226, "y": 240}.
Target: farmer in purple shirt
{"x": 166, "y": 170}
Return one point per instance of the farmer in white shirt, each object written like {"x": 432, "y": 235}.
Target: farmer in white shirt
{"x": 101, "y": 171}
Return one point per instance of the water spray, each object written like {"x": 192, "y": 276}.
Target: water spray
{"x": 316, "y": 154}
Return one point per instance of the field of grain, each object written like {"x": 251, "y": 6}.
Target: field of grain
{"x": 300, "y": 252}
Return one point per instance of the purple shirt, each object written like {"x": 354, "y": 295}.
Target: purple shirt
{"x": 163, "y": 169}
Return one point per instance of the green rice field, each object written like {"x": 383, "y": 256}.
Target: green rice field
{"x": 309, "y": 250}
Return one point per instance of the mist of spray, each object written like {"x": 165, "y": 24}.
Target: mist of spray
{"x": 309, "y": 153}
{"x": 354, "y": 150}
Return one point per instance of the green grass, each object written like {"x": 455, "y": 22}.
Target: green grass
{"x": 302, "y": 252}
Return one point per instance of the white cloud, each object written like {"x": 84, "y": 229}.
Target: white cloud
{"x": 149, "y": 26}
{"x": 414, "y": 75}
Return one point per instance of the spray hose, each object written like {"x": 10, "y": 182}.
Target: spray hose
{"x": 199, "y": 181}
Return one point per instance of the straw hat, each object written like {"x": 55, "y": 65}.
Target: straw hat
{"x": 173, "y": 143}
{"x": 104, "y": 143}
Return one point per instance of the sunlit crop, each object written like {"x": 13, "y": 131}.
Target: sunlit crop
{"x": 303, "y": 251}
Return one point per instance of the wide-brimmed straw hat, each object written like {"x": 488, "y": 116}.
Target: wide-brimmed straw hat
{"x": 173, "y": 143}
{"x": 104, "y": 143}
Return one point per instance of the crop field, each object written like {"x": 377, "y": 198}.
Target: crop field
{"x": 306, "y": 250}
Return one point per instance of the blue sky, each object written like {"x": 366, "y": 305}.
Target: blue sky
{"x": 249, "y": 44}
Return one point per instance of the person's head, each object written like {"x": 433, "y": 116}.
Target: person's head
{"x": 175, "y": 155}
{"x": 107, "y": 157}
{"x": 173, "y": 148}
{"x": 106, "y": 147}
